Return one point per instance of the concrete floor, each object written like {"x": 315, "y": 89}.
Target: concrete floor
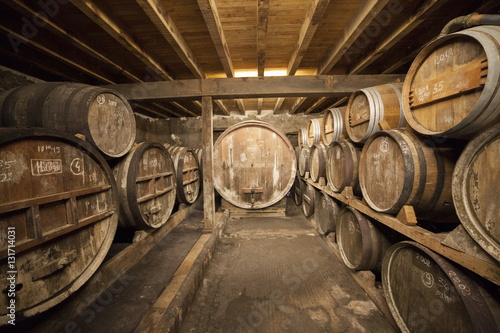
{"x": 279, "y": 275}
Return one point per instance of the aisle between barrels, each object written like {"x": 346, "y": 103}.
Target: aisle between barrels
{"x": 279, "y": 275}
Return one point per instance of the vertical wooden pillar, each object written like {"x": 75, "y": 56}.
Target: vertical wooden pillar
{"x": 207, "y": 112}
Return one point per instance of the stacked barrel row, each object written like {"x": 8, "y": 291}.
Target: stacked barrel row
{"x": 70, "y": 174}
{"x": 434, "y": 147}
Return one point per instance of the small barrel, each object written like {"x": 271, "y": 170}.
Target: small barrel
{"x": 342, "y": 166}
{"x": 302, "y": 137}
{"x": 102, "y": 115}
{"x": 308, "y": 199}
{"x": 362, "y": 246}
{"x": 326, "y": 211}
{"x": 317, "y": 162}
{"x": 304, "y": 160}
{"x": 298, "y": 188}
{"x": 368, "y": 107}
{"x": 476, "y": 181}
{"x": 333, "y": 125}
{"x": 426, "y": 293}
{"x": 314, "y": 132}
{"x": 60, "y": 204}
{"x": 255, "y": 165}
{"x": 398, "y": 168}
{"x": 146, "y": 183}
{"x": 452, "y": 88}
{"x": 187, "y": 174}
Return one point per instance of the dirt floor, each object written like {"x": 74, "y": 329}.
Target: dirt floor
{"x": 279, "y": 275}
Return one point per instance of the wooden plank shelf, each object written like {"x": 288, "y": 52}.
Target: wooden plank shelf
{"x": 479, "y": 263}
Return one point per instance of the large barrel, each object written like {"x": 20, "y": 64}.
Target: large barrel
{"x": 476, "y": 184}
{"x": 255, "y": 165}
{"x": 308, "y": 199}
{"x": 187, "y": 173}
{"x": 146, "y": 183}
{"x": 342, "y": 166}
{"x": 398, "y": 168}
{"x": 452, "y": 88}
{"x": 333, "y": 125}
{"x": 317, "y": 162}
{"x": 368, "y": 107}
{"x": 426, "y": 293}
{"x": 314, "y": 129}
{"x": 304, "y": 155}
{"x": 59, "y": 212}
{"x": 362, "y": 246}
{"x": 326, "y": 211}
{"x": 102, "y": 115}
{"x": 302, "y": 137}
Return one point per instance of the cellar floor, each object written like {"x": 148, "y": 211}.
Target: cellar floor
{"x": 279, "y": 275}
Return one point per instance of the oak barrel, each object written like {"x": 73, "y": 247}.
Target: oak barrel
{"x": 476, "y": 184}
{"x": 298, "y": 188}
{"x": 102, "y": 115}
{"x": 342, "y": 166}
{"x": 370, "y": 106}
{"x": 59, "y": 208}
{"x": 255, "y": 165}
{"x": 426, "y": 293}
{"x": 333, "y": 125}
{"x": 398, "y": 168}
{"x": 452, "y": 88}
{"x": 326, "y": 211}
{"x": 187, "y": 173}
{"x": 314, "y": 129}
{"x": 317, "y": 162}
{"x": 308, "y": 199}
{"x": 304, "y": 160}
{"x": 147, "y": 187}
{"x": 362, "y": 246}
{"x": 302, "y": 137}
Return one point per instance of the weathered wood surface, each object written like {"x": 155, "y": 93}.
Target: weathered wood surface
{"x": 342, "y": 166}
{"x": 261, "y": 87}
{"x": 60, "y": 199}
{"x": 326, "y": 211}
{"x": 187, "y": 173}
{"x": 333, "y": 125}
{"x": 207, "y": 132}
{"x": 317, "y": 162}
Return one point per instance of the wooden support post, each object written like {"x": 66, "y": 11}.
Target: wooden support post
{"x": 208, "y": 172}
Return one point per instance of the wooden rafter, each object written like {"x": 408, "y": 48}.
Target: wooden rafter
{"x": 313, "y": 17}
{"x": 315, "y": 105}
{"x": 262, "y": 20}
{"x": 278, "y": 104}
{"x": 419, "y": 16}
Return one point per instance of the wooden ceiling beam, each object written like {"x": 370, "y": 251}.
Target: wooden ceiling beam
{"x": 119, "y": 33}
{"x": 313, "y": 17}
{"x": 420, "y": 15}
{"x": 315, "y": 105}
{"x": 279, "y": 103}
{"x": 262, "y": 20}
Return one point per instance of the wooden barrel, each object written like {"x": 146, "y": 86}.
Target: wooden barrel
{"x": 255, "y": 165}
{"x": 302, "y": 137}
{"x": 304, "y": 160}
{"x": 317, "y": 162}
{"x": 146, "y": 183}
{"x": 187, "y": 173}
{"x": 308, "y": 199}
{"x": 342, "y": 166}
{"x": 199, "y": 158}
{"x": 102, "y": 115}
{"x": 333, "y": 125}
{"x": 59, "y": 208}
{"x": 398, "y": 168}
{"x": 368, "y": 107}
{"x": 314, "y": 132}
{"x": 426, "y": 293}
{"x": 452, "y": 88}
{"x": 326, "y": 211}
{"x": 298, "y": 188}
{"x": 362, "y": 246}
{"x": 476, "y": 181}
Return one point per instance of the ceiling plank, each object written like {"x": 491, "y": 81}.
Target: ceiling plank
{"x": 262, "y": 20}
{"x": 184, "y": 109}
{"x": 166, "y": 26}
{"x": 419, "y": 16}
{"x": 315, "y": 105}
{"x": 254, "y": 87}
{"x": 119, "y": 33}
{"x": 313, "y": 17}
